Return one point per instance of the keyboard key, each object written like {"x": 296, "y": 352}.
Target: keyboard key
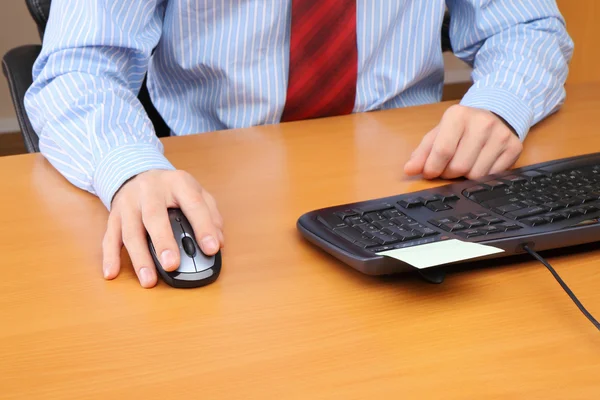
{"x": 495, "y": 184}
{"x": 554, "y": 217}
{"x": 404, "y": 234}
{"x": 470, "y": 233}
{"x": 543, "y": 199}
{"x": 351, "y": 234}
{"x": 367, "y": 228}
{"x": 365, "y": 209}
{"x": 482, "y": 214}
{"x": 514, "y": 179}
{"x": 530, "y": 202}
{"x": 535, "y": 221}
{"x": 424, "y": 231}
{"x": 381, "y": 248}
{"x": 588, "y": 209}
{"x": 587, "y": 198}
{"x": 472, "y": 223}
{"x": 412, "y": 202}
{"x": 553, "y": 206}
{"x": 403, "y": 221}
{"x": 533, "y": 175}
{"x": 502, "y": 201}
{"x": 345, "y": 214}
{"x": 392, "y": 213}
{"x": 331, "y": 221}
{"x": 570, "y": 213}
{"x": 355, "y": 221}
{"x": 431, "y": 198}
{"x": 526, "y": 212}
{"x": 492, "y": 195}
{"x": 374, "y": 216}
{"x": 383, "y": 224}
{"x": 438, "y": 206}
{"x": 465, "y": 217}
{"x": 567, "y": 203}
{"x": 384, "y": 238}
{"x": 442, "y": 221}
{"x": 491, "y": 220}
{"x": 489, "y": 229}
{"x": 452, "y": 197}
{"x": 474, "y": 190}
{"x": 508, "y": 226}
{"x": 396, "y": 230}
{"x": 454, "y": 226}
{"x": 508, "y": 208}
{"x": 366, "y": 242}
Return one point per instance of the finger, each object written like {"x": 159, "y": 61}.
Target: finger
{"x": 215, "y": 216}
{"x": 415, "y": 164}
{"x": 452, "y": 128}
{"x": 466, "y": 154}
{"x": 494, "y": 147}
{"x": 111, "y": 247}
{"x": 156, "y": 221}
{"x": 508, "y": 158}
{"x": 214, "y": 211}
{"x": 197, "y": 212}
{"x": 134, "y": 238}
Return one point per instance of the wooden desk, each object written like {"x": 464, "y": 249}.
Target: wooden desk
{"x": 285, "y": 321}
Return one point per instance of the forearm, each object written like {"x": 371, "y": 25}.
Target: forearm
{"x": 83, "y": 101}
{"x": 520, "y": 57}
{"x": 94, "y": 131}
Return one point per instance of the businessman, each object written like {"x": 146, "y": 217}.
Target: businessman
{"x": 219, "y": 64}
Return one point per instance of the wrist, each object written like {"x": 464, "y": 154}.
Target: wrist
{"x": 124, "y": 163}
{"x": 510, "y": 108}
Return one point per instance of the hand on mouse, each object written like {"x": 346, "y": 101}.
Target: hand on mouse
{"x": 467, "y": 142}
{"x": 141, "y": 205}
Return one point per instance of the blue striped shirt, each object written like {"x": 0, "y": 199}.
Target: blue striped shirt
{"x": 222, "y": 64}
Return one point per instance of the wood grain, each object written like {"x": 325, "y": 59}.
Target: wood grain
{"x": 284, "y": 320}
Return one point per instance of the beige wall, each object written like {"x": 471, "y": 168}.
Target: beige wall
{"x": 16, "y": 28}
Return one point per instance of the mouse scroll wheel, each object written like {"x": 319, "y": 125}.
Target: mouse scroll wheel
{"x": 188, "y": 246}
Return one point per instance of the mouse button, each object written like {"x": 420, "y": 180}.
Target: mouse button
{"x": 188, "y": 246}
{"x": 195, "y": 276}
{"x": 203, "y": 262}
{"x": 186, "y": 265}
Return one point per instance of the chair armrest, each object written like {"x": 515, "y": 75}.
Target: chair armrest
{"x": 17, "y": 66}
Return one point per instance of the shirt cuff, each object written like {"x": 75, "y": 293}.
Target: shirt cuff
{"x": 123, "y": 163}
{"x": 514, "y": 110}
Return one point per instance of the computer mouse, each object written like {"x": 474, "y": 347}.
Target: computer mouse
{"x": 195, "y": 269}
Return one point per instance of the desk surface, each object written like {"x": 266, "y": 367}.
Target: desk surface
{"x": 285, "y": 320}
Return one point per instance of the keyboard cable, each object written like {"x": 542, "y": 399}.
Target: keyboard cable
{"x": 564, "y": 285}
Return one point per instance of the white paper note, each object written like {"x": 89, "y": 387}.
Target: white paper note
{"x": 439, "y": 253}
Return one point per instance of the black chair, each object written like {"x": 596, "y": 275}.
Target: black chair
{"x": 17, "y": 66}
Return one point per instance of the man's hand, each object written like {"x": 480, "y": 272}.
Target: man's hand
{"x": 140, "y": 206}
{"x": 467, "y": 142}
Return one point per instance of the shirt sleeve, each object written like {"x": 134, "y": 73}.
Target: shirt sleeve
{"x": 83, "y": 101}
{"x": 519, "y": 51}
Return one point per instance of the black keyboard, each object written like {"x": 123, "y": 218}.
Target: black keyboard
{"x": 547, "y": 205}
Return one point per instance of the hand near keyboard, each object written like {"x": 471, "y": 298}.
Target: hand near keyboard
{"x": 468, "y": 142}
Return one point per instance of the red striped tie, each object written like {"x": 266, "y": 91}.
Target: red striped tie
{"x": 323, "y": 59}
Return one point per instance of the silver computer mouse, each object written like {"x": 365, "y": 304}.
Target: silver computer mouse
{"x": 195, "y": 269}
